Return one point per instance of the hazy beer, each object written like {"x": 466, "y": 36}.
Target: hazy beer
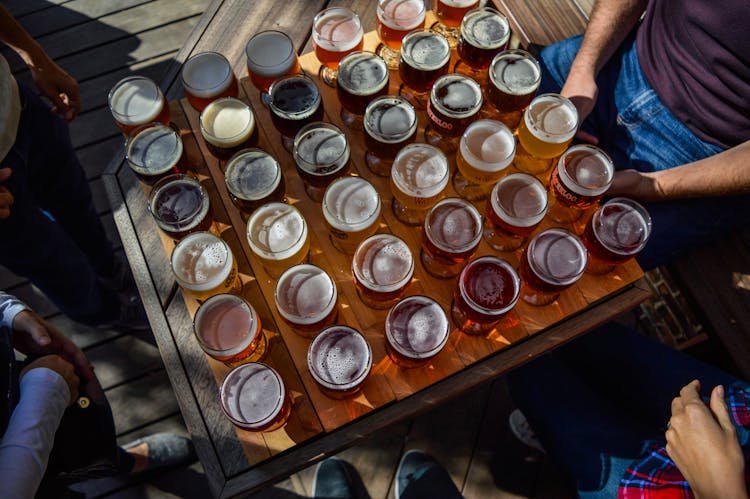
{"x": 206, "y": 77}
{"x": 180, "y": 206}
{"x": 153, "y": 151}
{"x": 362, "y": 77}
{"x": 306, "y": 298}
{"x": 228, "y": 125}
{"x": 548, "y": 126}
{"x": 278, "y": 236}
{"x": 452, "y": 232}
{"x": 390, "y": 123}
{"x": 351, "y": 209}
{"x": 136, "y": 101}
{"x": 485, "y": 151}
{"x": 321, "y": 155}
{"x": 203, "y": 264}
{"x": 484, "y": 33}
{"x": 416, "y": 330}
{"x": 516, "y": 206}
{"x": 339, "y": 360}
{"x": 514, "y": 79}
{"x": 454, "y": 102}
{"x": 382, "y": 268}
{"x": 294, "y": 102}
{"x": 419, "y": 176}
{"x": 254, "y": 398}
{"x": 425, "y": 56}
{"x": 270, "y": 55}
{"x": 395, "y": 19}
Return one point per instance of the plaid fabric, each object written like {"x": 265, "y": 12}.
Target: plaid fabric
{"x": 656, "y": 475}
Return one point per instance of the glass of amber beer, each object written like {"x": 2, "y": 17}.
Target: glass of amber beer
{"x": 136, "y": 101}
{"x": 454, "y": 102}
{"x": 278, "y": 236}
{"x": 321, "y": 155}
{"x": 254, "y": 398}
{"x": 351, "y": 209}
{"x": 180, "y": 206}
{"x": 306, "y": 297}
{"x": 270, "y": 55}
{"x": 382, "y": 268}
{"x": 390, "y": 123}
{"x": 153, "y": 151}
{"x": 339, "y": 360}
{"x": 336, "y": 32}
{"x": 425, "y": 56}
{"x": 449, "y": 14}
{"x": 229, "y": 330}
{"x": 294, "y": 102}
{"x": 485, "y": 151}
{"x": 583, "y": 175}
{"x": 484, "y": 33}
{"x": 516, "y": 206}
{"x": 253, "y": 178}
{"x": 419, "y": 175}
{"x": 363, "y": 76}
{"x": 452, "y": 232}
{"x": 487, "y": 289}
{"x": 395, "y": 19}
{"x": 206, "y": 77}
{"x": 617, "y": 232}
{"x": 203, "y": 265}
{"x": 514, "y": 79}
{"x": 553, "y": 261}
{"x": 227, "y": 126}
{"x": 416, "y": 330}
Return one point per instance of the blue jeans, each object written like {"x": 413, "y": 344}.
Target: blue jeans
{"x": 62, "y": 256}
{"x": 639, "y": 132}
{"x": 595, "y": 402}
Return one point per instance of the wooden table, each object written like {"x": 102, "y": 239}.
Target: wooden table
{"x": 235, "y": 460}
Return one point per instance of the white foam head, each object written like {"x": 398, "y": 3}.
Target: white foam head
{"x": 270, "y": 53}
{"x": 383, "y": 263}
{"x": 557, "y": 256}
{"x": 586, "y": 170}
{"x": 206, "y": 74}
{"x": 426, "y": 50}
{"x": 339, "y": 358}
{"x": 551, "y": 118}
{"x": 362, "y": 73}
{"x": 201, "y": 261}
{"x": 135, "y": 100}
{"x": 153, "y": 150}
{"x": 459, "y": 4}
{"x": 227, "y": 122}
{"x": 252, "y": 174}
{"x": 519, "y": 200}
{"x": 276, "y": 231}
{"x": 417, "y": 327}
{"x": 319, "y": 146}
{"x": 453, "y": 225}
{"x": 420, "y": 170}
{"x": 305, "y": 294}
{"x": 252, "y": 395}
{"x": 401, "y": 15}
{"x": 488, "y": 145}
{"x": 390, "y": 119}
{"x": 225, "y": 325}
{"x": 485, "y": 28}
{"x": 351, "y": 204}
{"x": 515, "y": 72}
{"x": 337, "y": 29}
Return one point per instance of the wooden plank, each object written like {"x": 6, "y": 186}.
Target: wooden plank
{"x": 81, "y": 335}
{"x": 95, "y": 158}
{"x": 21, "y": 8}
{"x": 544, "y": 22}
{"x": 126, "y": 358}
{"x": 8, "y": 279}
{"x": 35, "y": 299}
{"x": 155, "y": 396}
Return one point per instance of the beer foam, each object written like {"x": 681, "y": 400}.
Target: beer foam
{"x": 227, "y": 122}
{"x": 337, "y": 30}
{"x": 515, "y": 72}
{"x": 487, "y": 29}
{"x": 305, "y": 294}
{"x": 321, "y": 149}
{"x": 225, "y": 325}
{"x": 339, "y": 358}
{"x": 552, "y": 118}
{"x": 586, "y": 170}
{"x": 383, "y": 263}
{"x": 351, "y": 204}
{"x": 488, "y": 145}
{"x": 252, "y": 395}
{"x": 519, "y": 200}
{"x": 461, "y": 4}
{"x": 179, "y": 203}
{"x": 420, "y": 170}
{"x": 456, "y": 96}
{"x": 454, "y": 225}
{"x": 201, "y": 261}
{"x": 390, "y": 119}
{"x": 206, "y": 74}
{"x": 622, "y": 226}
{"x": 154, "y": 150}
{"x": 135, "y": 101}
{"x": 252, "y": 175}
{"x": 402, "y": 15}
{"x": 425, "y": 51}
{"x": 362, "y": 73}
{"x": 270, "y": 53}
{"x": 276, "y": 231}
{"x": 417, "y": 327}
{"x": 557, "y": 257}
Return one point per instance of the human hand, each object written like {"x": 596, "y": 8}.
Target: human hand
{"x": 702, "y": 441}
{"x": 61, "y": 367}
{"x": 53, "y": 82}
{"x": 581, "y": 88}
{"x": 6, "y": 198}
{"x": 34, "y": 335}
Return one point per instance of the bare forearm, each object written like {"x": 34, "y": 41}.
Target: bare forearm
{"x": 18, "y": 39}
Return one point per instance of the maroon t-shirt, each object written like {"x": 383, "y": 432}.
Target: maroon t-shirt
{"x": 696, "y": 55}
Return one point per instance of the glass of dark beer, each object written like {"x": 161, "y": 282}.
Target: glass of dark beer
{"x": 254, "y": 398}
{"x": 617, "y": 232}
{"x": 416, "y": 330}
{"x": 395, "y": 19}
{"x": 484, "y": 33}
{"x": 449, "y": 14}
{"x": 390, "y": 123}
{"x": 270, "y": 55}
{"x": 362, "y": 77}
{"x": 179, "y": 205}
{"x": 253, "y": 178}
{"x": 382, "y": 267}
{"x": 514, "y": 79}
{"x": 485, "y": 152}
{"x": 419, "y": 177}
{"x": 516, "y": 206}
{"x": 336, "y": 32}
{"x": 306, "y": 297}
{"x": 454, "y": 102}
{"x": 136, "y": 101}
{"x": 339, "y": 360}
{"x": 487, "y": 289}
{"x": 206, "y": 77}
{"x": 351, "y": 210}
{"x": 553, "y": 261}
{"x": 154, "y": 151}
{"x": 452, "y": 232}
{"x": 425, "y": 56}
{"x": 294, "y": 102}
{"x": 227, "y": 126}
{"x": 321, "y": 155}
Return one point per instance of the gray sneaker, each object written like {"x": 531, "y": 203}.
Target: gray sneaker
{"x": 337, "y": 479}
{"x": 523, "y": 431}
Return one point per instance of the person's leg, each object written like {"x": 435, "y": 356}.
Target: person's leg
{"x": 419, "y": 476}
{"x": 337, "y": 479}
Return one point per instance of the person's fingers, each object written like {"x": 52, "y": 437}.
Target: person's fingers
{"x": 5, "y": 174}
{"x": 71, "y": 352}
{"x": 719, "y": 407}
{"x": 587, "y": 137}
{"x": 691, "y": 391}
{"x": 6, "y": 201}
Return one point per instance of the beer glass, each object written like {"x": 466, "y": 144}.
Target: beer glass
{"x": 321, "y": 155}
{"x": 294, "y": 102}
{"x": 484, "y": 33}
{"x": 180, "y": 206}
{"x": 278, "y": 236}
{"x": 153, "y": 151}
{"x": 336, "y": 32}
{"x": 203, "y": 265}
{"x": 270, "y": 55}
{"x": 395, "y": 19}
{"x": 425, "y": 56}
{"x": 382, "y": 268}
{"x": 514, "y": 79}
{"x": 552, "y": 262}
{"x": 449, "y": 14}
{"x": 339, "y": 360}
{"x": 419, "y": 176}
{"x": 351, "y": 209}
{"x": 362, "y": 77}
{"x": 487, "y": 289}
{"x": 229, "y": 330}
{"x": 516, "y": 206}
{"x": 452, "y": 232}
{"x": 253, "y": 178}
{"x": 583, "y": 175}
{"x": 136, "y": 101}
{"x": 617, "y": 232}
{"x": 254, "y": 398}
{"x": 306, "y": 297}
{"x": 390, "y": 123}
{"x": 227, "y": 126}
{"x": 454, "y": 102}
{"x": 485, "y": 151}
{"x": 206, "y": 77}
{"x": 416, "y": 330}
{"x": 546, "y": 130}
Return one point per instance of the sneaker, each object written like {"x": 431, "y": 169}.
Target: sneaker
{"x": 424, "y": 477}
{"x": 130, "y": 318}
{"x": 335, "y": 479}
{"x": 523, "y": 431}
{"x": 163, "y": 451}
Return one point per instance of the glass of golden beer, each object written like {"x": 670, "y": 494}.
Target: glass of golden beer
{"x": 278, "y": 236}
{"x": 136, "y": 101}
{"x": 321, "y": 154}
{"x": 452, "y": 232}
{"x": 306, "y": 297}
{"x": 516, "y": 206}
{"x": 229, "y": 330}
{"x": 455, "y": 100}
{"x": 449, "y": 14}
{"x": 382, "y": 268}
{"x": 180, "y": 206}
{"x": 206, "y": 77}
{"x": 416, "y": 330}
{"x": 514, "y": 79}
{"x": 425, "y": 56}
{"x": 254, "y": 398}
{"x": 390, "y": 123}
{"x": 485, "y": 151}
{"x": 395, "y": 19}
{"x": 582, "y": 176}
{"x": 227, "y": 126}
{"x": 484, "y": 33}
{"x": 362, "y": 77}
{"x": 270, "y": 55}
{"x": 154, "y": 151}
{"x": 419, "y": 175}
{"x": 203, "y": 265}
{"x": 253, "y": 178}
{"x": 351, "y": 209}
{"x": 336, "y": 32}
{"x": 339, "y": 360}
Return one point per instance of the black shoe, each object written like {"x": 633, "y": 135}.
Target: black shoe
{"x": 131, "y": 317}
{"x": 423, "y": 477}
{"x": 121, "y": 280}
{"x": 337, "y": 479}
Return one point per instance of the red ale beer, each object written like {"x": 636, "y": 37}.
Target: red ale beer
{"x": 515, "y": 207}
{"x": 206, "y": 77}
{"x": 396, "y": 18}
{"x": 451, "y": 12}
{"x": 321, "y": 154}
{"x": 382, "y": 268}
{"x": 180, "y": 206}
{"x": 452, "y": 232}
{"x": 336, "y": 32}
{"x": 416, "y": 330}
{"x": 425, "y": 56}
{"x": 514, "y": 79}
{"x": 362, "y": 77}
{"x": 339, "y": 360}
{"x": 484, "y": 33}
{"x": 254, "y": 398}
{"x": 390, "y": 123}
{"x": 454, "y": 102}
{"x": 306, "y": 297}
